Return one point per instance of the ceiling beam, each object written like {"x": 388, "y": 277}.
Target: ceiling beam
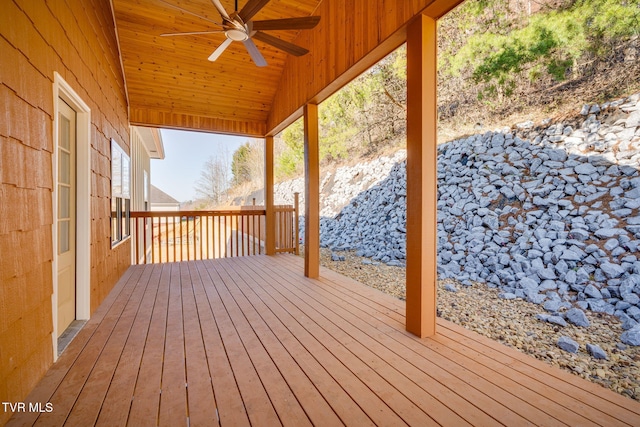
{"x": 169, "y": 120}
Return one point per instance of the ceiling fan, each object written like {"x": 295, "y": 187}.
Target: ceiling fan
{"x": 238, "y": 26}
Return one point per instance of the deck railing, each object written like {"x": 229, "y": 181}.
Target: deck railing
{"x": 195, "y": 235}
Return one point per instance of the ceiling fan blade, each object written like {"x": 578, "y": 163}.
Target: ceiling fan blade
{"x": 192, "y": 33}
{"x": 251, "y": 8}
{"x": 290, "y": 48}
{"x": 173, "y": 6}
{"x": 216, "y": 53}
{"x": 254, "y": 53}
{"x": 303, "y": 23}
{"x": 221, "y": 10}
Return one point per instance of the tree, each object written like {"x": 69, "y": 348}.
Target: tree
{"x": 214, "y": 179}
{"x": 240, "y": 164}
{"x": 290, "y": 145}
{"x": 248, "y": 163}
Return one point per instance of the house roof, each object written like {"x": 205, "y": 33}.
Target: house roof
{"x": 171, "y": 84}
{"x": 152, "y": 140}
{"x": 160, "y": 197}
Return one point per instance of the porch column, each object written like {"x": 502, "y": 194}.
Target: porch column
{"x": 270, "y": 221}
{"x": 311, "y": 192}
{"x": 421, "y": 176}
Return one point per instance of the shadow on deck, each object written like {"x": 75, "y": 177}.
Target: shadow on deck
{"x": 250, "y": 341}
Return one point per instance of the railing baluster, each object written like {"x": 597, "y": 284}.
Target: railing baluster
{"x": 242, "y": 233}
{"x": 145, "y": 240}
{"x": 187, "y": 245}
{"x": 159, "y": 241}
{"x": 153, "y": 243}
{"x": 288, "y": 223}
{"x": 173, "y": 231}
{"x": 209, "y": 234}
{"x": 137, "y": 220}
{"x": 234, "y": 232}
{"x": 207, "y": 228}
{"x": 281, "y": 225}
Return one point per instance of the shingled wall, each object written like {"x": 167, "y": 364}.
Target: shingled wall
{"x": 37, "y": 38}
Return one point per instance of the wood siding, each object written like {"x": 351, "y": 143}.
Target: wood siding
{"x": 37, "y": 38}
{"x": 140, "y": 163}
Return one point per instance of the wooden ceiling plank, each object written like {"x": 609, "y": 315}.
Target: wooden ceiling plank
{"x": 172, "y": 74}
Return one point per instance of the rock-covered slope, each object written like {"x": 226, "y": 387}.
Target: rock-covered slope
{"x": 550, "y": 214}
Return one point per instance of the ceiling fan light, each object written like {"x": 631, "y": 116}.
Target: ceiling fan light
{"x": 236, "y": 35}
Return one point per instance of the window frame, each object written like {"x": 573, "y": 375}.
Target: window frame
{"x": 120, "y": 194}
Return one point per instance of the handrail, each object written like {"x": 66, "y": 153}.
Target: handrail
{"x": 249, "y": 210}
{"x": 170, "y": 236}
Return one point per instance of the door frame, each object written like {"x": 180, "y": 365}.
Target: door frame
{"x": 63, "y": 91}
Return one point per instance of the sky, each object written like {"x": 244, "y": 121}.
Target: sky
{"x": 185, "y": 154}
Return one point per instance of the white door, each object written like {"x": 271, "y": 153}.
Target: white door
{"x": 66, "y": 216}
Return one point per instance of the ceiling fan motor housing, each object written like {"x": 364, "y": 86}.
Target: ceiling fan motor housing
{"x": 236, "y": 35}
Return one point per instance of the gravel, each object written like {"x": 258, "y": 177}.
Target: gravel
{"x": 515, "y": 323}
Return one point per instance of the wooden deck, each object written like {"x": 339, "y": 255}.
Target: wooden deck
{"x": 250, "y": 341}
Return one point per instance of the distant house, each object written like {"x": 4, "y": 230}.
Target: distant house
{"x": 146, "y": 144}
{"x": 161, "y": 201}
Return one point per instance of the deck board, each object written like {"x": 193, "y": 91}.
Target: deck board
{"x": 255, "y": 398}
{"x": 200, "y": 387}
{"x": 282, "y": 398}
{"x": 146, "y": 395}
{"x": 306, "y": 352}
{"x": 251, "y": 341}
{"x": 66, "y": 392}
{"x": 230, "y": 407}
{"x": 117, "y": 402}
{"x": 552, "y": 411}
{"x": 317, "y": 409}
{"x": 437, "y": 380}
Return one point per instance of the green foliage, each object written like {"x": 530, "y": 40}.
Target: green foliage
{"x": 356, "y": 119}
{"x": 339, "y": 118}
{"x": 290, "y": 159}
{"x": 240, "y": 164}
{"x": 546, "y": 44}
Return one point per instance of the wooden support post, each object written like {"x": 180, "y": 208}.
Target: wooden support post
{"x": 270, "y": 226}
{"x": 421, "y": 176}
{"x": 311, "y": 192}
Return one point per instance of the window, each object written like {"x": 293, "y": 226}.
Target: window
{"x": 146, "y": 190}
{"x": 120, "y": 194}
